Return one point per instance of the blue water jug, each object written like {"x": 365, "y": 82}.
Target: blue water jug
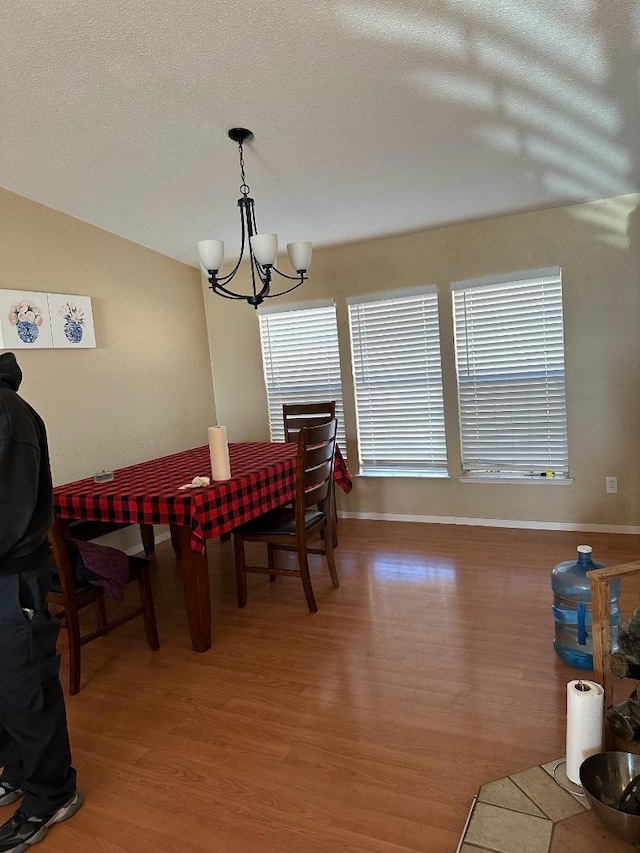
{"x": 572, "y": 609}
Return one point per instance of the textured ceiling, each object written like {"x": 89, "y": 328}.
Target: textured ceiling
{"x": 370, "y": 118}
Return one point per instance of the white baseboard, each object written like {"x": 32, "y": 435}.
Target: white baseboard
{"x": 137, "y": 549}
{"x": 128, "y": 538}
{"x": 585, "y": 526}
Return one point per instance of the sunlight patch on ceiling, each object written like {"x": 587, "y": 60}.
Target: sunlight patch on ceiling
{"x": 563, "y": 184}
{"x": 507, "y": 64}
{"x": 539, "y": 32}
{"x": 584, "y": 172}
{"x": 395, "y": 26}
{"x": 531, "y": 111}
{"x": 575, "y": 96}
{"x": 594, "y": 173}
{"x": 503, "y": 137}
{"x": 457, "y": 88}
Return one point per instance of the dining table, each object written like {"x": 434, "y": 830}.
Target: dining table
{"x": 149, "y": 493}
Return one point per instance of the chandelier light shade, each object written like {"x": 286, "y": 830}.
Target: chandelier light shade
{"x": 262, "y": 248}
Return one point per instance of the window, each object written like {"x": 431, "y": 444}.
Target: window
{"x": 397, "y": 373}
{"x": 301, "y": 361}
{"x": 511, "y": 379}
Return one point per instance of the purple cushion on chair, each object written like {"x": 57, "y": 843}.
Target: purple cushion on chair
{"x": 109, "y": 566}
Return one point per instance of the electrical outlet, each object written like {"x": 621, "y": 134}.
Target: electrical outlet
{"x": 611, "y": 485}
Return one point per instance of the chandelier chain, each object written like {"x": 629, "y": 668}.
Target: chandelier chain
{"x": 245, "y": 189}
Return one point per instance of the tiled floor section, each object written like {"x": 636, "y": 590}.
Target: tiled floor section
{"x": 530, "y": 813}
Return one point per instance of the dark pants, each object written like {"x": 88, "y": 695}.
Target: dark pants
{"x": 34, "y": 741}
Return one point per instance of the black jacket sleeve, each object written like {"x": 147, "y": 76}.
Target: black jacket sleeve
{"x": 19, "y": 474}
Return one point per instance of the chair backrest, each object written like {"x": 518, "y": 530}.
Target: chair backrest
{"x": 63, "y": 566}
{"x": 298, "y": 415}
{"x": 314, "y": 467}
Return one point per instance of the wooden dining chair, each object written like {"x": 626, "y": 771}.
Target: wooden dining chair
{"x": 298, "y": 415}
{"x": 71, "y": 596}
{"x": 289, "y": 528}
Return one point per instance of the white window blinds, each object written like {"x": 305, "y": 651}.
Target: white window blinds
{"x": 511, "y": 377}
{"x": 301, "y": 361}
{"x": 395, "y": 347}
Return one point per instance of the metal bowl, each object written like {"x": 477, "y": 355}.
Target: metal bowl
{"x": 604, "y": 777}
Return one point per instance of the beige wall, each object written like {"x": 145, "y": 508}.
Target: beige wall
{"x": 596, "y": 245}
{"x": 236, "y": 364}
{"x": 146, "y": 389}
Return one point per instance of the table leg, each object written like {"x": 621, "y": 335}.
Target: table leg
{"x": 197, "y": 594}
{"x": 174, "y": 530}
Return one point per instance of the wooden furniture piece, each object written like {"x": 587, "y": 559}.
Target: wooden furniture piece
{"x": 262, "y": 478}
{"x": 298, "y": 415}
{"x": 602, "y": 651}
{"x": 289, "y": 528}
{"x": 71, "y": 597}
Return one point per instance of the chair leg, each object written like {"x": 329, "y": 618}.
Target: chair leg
{"x": 241, "y": 573}
{"x": 328, "y": 546}
{"x": 57, "y": 610}
{"x": 102, "y": 614}
{"x": 303, "y": 562}
{"x": 148, "y": 540}
{"x": 272, "y": 561}
{"x": 175, "y": 539}
{"x": 149, "y": 615}
{"x": 334, "y": 516}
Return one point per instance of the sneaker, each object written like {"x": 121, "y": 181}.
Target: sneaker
{"x": 9, "y": 793}
{"x": 21, "y": 831}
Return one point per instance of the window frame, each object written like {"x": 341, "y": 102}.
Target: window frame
{"x": 556, "y": 469}
{"x": 432, "y": 466}
{"x": 305, "y": 395}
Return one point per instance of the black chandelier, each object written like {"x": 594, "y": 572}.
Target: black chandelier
{"x": 263, "y": 248}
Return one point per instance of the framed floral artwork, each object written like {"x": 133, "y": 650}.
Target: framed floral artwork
{"x": 71, "y": 321}
{"x": 24, "y": 320}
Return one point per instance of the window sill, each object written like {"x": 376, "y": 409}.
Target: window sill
{"x": 513, "y": 479}
{"x": 431, "y": 475}
{"x": 509, "y": 479}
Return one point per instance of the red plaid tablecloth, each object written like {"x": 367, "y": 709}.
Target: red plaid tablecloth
{"x": 262, "y": 478}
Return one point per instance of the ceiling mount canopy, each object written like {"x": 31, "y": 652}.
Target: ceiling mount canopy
{"x": 263, "y": 248}
{"x": 240, "y": 135}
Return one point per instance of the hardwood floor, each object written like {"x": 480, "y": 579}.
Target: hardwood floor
{"x": 365, "y": 728}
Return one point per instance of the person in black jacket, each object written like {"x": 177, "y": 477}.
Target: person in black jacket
{"x": 34, "y": 741}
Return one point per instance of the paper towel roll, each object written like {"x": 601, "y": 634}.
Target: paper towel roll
{"x": 585, "y": 709}
{"x": 219, "y": 453}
